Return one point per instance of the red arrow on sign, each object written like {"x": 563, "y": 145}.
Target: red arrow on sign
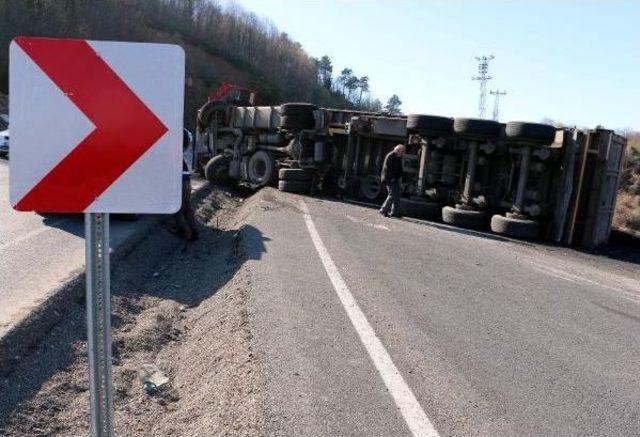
{"x": 125, "y": 127}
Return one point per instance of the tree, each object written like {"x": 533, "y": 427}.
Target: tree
{"x": 351, "y": 85}
{"x": 363, "y": 85}
{"x": 344, "y": 77}
{"x": 325, "y": 70}
{"x": 270, "y": 60}
{"x": 552, "y": 122}
{"x": 393, "y": 105}
{"x": 375, "y": 106}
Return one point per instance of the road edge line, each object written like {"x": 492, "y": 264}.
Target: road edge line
{"x": 413, "y": 414}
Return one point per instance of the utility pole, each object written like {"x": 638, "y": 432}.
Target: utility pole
{"x": 483, "y": 77}
{"x": 496, "y": 102}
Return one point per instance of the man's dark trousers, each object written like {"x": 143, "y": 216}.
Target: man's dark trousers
{"x": 392, "y": 202}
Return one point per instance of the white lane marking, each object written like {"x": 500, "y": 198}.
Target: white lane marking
{"x": 554, "y": 274}
{"x": 583, "y": 280}
{"x": 374, "y": 225}
{"x": 353, "y": 219}
{"x": 410, "y": 408}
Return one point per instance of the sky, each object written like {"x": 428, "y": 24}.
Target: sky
{"x": 576, "y": 62}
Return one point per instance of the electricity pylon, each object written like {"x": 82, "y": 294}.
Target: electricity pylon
{"x": 483, "y": 77}
{"x": 496, "y": 102}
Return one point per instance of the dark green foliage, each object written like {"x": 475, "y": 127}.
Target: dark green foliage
{"x": 221, "y": 45}
{"x": 393, "y": 105}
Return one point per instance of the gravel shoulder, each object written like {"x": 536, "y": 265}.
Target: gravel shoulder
{"x": 179, "y": 306}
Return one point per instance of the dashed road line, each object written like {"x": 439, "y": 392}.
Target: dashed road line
{"x": 557, "y": 273}
{"x": 363, "y": 222}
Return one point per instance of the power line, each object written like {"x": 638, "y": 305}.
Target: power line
{"x": 483, "y": 77}
{"x": 496, "y": 102}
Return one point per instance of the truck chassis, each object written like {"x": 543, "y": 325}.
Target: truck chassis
{"x": 522, "y": 180}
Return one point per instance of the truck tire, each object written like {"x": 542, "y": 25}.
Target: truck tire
{"x": 217, "y": 170}
{"x": 297, "y": 109}
{"x": 516, "y": 228}
{"x": 295, "y": 174}
{"x": 371, "y": 189}
{"x": 301, "y": 121}
{"x": 531, "y": 132}
{"x": 476, "y": 127}
{"x": 261, "y": 168}
{"x": 298, "y": 187}
{"x": 430, "y": 125}
{"x": 206, "y": 111}
{"x": 420, "y": 209}
{"x": 465, "y": 218}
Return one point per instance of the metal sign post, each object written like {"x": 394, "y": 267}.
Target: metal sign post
{"x": 99, "y": 323}
{"x": 120, "y": 151}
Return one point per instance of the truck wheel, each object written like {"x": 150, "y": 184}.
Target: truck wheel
{"x": 297, "y": 109}
{"x": 217, "y": 170}
{"x": 301, "y": 121}
{"x": 421, "y": 209}
{"x": 430, "y": 125}
{"x": 295, "y": 174}
{"x": 465, "y": 218}
{"x": 298, "y": 187}
{"x": 371, "y": 189}
{"x": 261, "y": 168}
{"x": 207, "y": 110}
{"x": 531, "y": 132}
{"x": 476, "y": 127}
{"x": 513, "y": 227}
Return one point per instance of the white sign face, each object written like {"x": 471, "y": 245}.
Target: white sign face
{"x": 95, "y": 126}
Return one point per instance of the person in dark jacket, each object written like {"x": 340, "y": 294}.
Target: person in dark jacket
{"x": 391, "y": 176}
{"x": 186, "y": 225}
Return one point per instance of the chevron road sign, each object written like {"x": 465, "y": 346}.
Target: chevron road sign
{"x": 95, "y": 126}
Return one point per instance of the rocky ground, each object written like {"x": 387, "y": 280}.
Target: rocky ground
{"x": 178, "y": 306}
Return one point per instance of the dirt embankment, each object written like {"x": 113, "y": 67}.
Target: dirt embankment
{"x": 178, "y": 306}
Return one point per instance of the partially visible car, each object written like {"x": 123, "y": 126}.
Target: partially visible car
{"x": 4, "y": 143}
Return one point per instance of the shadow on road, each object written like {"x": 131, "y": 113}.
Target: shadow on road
{"x": 463, "y": 231}
{"x": 622, "y": 246}
{"x": 70, "y": 223}
{"x": 162, "y": 269}
{"x": 444, "y": 227}
{"x": 74, "y": 223}
{"x": 200, "y": 270}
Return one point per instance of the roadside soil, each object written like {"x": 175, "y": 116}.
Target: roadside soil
{"x": 179, "y": 306}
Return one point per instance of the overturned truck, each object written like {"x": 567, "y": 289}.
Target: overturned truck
{"x": 519, "y": 179}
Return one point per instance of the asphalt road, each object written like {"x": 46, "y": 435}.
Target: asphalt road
{"x": 493, "y": 337}
{"x": 40, "y": 252}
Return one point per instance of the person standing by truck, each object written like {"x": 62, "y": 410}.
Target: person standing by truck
{"x": 390, "y": 177}
{"x": 186, "y": 225}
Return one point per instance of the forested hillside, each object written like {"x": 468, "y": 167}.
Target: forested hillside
{"x": 222, "y": 44}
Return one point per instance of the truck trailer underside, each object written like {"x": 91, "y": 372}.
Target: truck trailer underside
{"x": 522, "y": 180}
